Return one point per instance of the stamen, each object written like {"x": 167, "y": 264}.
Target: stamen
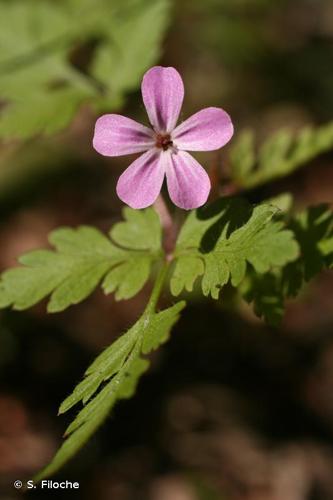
{"x": 163, "y": 141}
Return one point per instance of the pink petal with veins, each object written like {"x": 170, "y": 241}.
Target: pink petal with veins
{"x": 207, "y": 130}
{"x": 163, "y": 93}
{"x": 141, "y": 183}
{"x": 117, "y": 135}
{"x": 188, "y": 183}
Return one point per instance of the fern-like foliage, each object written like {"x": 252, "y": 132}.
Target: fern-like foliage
{"x": 218, "y": 242}
{"x": 313, "y": 230}
{"x": 112, "y": 376}
{"x": 280, "y": 155}
{"x": 83, "y": 258}
{"x": 252, "y": 247}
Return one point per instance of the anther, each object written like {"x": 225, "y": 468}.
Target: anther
{"x": 163, "y": 141}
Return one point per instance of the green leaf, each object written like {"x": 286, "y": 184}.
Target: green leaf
{"x": 81, "y": 259}
{"x": 37, "y": 23}
{"x": 159, "y": 327}
{"x": 313, "y": 230}
{"x": 283, "y": 202}
{"x": 264, "y": 291}
{"x": 137, "y": 267}
{"x": 41, "y": 80}
{"x": 140, "y": 230}
{"x": 219, "y": 242}
{"x": 119, "y": 367}
{"x": 187, "y": 269}
{"x": 281, "y": 154}
{"x": 42, "y": 89}
{"x": 104, "y": 367}
{"x": 43, "y": 113}
{"x": 135, "y": 42}
{"x": 242, "y": 155}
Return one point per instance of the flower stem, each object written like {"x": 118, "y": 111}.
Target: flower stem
{"x": 168, "y": 225}
{"x": 157, "y": 288}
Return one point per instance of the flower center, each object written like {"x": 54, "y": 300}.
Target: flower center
{"x": 163, "y": 141}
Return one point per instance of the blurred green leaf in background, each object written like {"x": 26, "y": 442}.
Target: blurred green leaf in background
{"x": 50, "y": 65}
{"x": 280, "y": 155}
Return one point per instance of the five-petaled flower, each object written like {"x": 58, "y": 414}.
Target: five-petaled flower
{"x": 164, "y": 146}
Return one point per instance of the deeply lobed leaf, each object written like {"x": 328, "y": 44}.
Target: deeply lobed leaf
{"x": 141, "y": 230}
{"x": 219, "y": 242}
{"x": 313, "y": 230}
{"x": 119, "y": 367}
{"x": 281, "y": 154}
{"x": 81, "y": 259}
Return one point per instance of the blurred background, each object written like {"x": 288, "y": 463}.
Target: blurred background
{"x": 231, "y": 409}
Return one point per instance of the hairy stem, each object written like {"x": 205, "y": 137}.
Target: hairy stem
{"x": 157, "y": 288}
{"x": 168, "y": 225}
{"x": 107, "y": 395}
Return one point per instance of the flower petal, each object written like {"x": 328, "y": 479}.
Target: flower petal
{"x": 209, "y": 129}
{"x": 117, "y": 135}
{"x": 141, "y": 182}
{"x": 188, "y": 183}
{"x": 163, "y": 94}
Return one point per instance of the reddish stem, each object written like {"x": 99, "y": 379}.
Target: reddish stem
{"x": 168, "y": 225}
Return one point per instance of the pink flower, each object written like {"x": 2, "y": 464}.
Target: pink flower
{"x": 165, "y": 146}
